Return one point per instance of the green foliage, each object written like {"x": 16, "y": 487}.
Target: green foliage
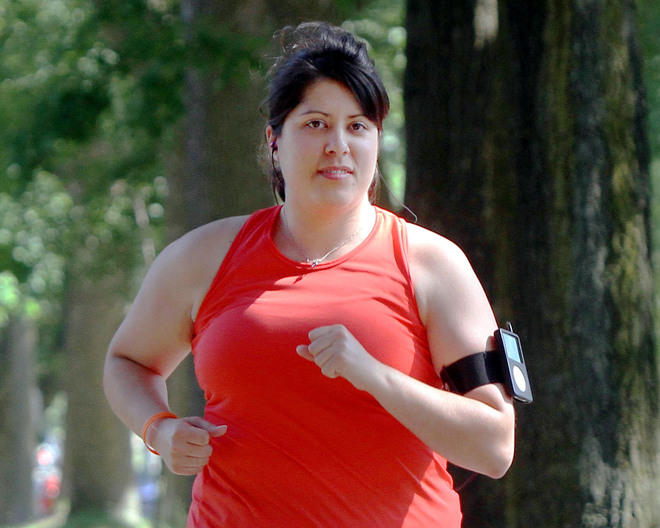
{"x": 148, "y": 38}
{"x": 53, "y": 84}
{"x": 31, "y": 228}
{"x": 81, "y": 185}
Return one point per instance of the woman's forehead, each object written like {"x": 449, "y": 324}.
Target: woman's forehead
{"x": 327, "y": 96}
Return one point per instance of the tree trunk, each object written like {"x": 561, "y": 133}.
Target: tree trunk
{"x": 568, "y": 195}
{"x": 18, "y": 416}
{"x": 446, "y": 117}
{"x": 452, "y": 154}
{"x": 97, "y": 468}
{"x": 600, "y": 344}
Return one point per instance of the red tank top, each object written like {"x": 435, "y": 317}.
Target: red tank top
{"x": 303, "y": 450}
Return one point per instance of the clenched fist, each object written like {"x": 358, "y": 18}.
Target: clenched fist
{"x": 184, "y": 443}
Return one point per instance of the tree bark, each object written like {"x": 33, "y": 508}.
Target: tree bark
{"x": 568, "y": 194}
{"x": 19, "y": 418}
{"x": 446, "y": 121}
{"x": 453, "y": 153}
{"x": 591, "y": 109}
{"x": 97, "y": 465}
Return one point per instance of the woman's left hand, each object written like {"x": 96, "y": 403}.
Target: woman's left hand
{"x": 338, "y": 353}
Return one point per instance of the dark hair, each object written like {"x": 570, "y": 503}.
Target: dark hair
{"x": 314, "y": 51}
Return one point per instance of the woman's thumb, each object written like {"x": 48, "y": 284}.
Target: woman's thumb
{"x": 212, "y": 429}
{"x": 217, "y": 430}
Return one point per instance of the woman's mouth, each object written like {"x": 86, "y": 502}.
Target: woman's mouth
{"x": 335, "y": 173}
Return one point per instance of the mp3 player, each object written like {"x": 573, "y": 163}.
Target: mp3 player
{"x": 516, "y": 378}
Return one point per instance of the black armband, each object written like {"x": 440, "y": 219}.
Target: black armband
{"x": 473, "y": 371}
{"x": 505, "y": 365}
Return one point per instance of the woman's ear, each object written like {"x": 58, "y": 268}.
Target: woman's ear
{"x": 271, "y": 138}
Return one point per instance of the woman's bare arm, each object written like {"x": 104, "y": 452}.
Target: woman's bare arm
{"x": 156, "y": 336}
{"x": 475, "y": 431}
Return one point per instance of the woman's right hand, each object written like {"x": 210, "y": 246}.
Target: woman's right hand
{"x": 156, "y": 336}
{"x": 184, "y": 443}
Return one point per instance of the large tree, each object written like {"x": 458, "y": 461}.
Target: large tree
{"x": 18, "y": 399}
{"x": 527, "y": 144}
{"x": 98, "y": 468}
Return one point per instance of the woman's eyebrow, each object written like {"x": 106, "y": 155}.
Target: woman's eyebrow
{"x": 307, "y": 112}
{"x": 326, "y": 114}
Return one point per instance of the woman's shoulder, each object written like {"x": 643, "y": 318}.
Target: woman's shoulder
{"x": 429, "y": 249}
{"x": 208, "y": 242}
{"x": 442, "y": 276}
{"x": 188, "y": 265}
{"x": 424, "y": 247}
{"x": 220, "y": 233}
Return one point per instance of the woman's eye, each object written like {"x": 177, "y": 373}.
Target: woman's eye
{"x": 358, "y": 126}
{"x": 315, "y": 123}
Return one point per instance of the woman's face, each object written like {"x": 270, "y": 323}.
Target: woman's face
{"x": 327, "y": 149}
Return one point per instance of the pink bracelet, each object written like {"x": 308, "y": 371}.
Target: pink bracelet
{"x": 149, "y": 423}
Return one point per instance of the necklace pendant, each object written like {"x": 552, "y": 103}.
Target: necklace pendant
{"x": 314, "y": 262}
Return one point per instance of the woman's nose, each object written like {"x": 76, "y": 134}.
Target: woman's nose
{"x": 337, "y": 143}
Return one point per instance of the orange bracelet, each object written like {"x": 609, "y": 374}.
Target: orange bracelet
{"x": 149, "y": 423}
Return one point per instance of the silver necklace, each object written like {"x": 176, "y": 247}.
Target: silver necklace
{"x": 315, "y": 262}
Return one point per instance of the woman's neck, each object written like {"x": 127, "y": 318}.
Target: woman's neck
{"x": 314, "y": 237}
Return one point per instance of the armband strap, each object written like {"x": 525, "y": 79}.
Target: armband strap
{"x": 473, "y": 371}
{"x": 149, "y": 423}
